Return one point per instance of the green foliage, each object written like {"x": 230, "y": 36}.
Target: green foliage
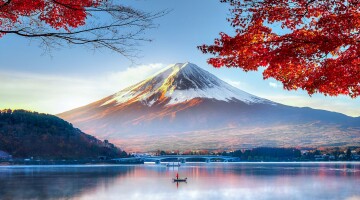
{"x": 348, "y": 154}
{"x": 267, "y": 154}
{"x": 31, "y": 134}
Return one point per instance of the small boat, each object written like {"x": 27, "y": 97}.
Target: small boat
{"x": 179, "y": 179}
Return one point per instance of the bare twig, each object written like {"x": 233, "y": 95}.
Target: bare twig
{"x": 115, "y": 27}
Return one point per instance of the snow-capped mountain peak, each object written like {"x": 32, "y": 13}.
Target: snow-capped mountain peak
{"x": 180, "y": 83}
{"x": 186, "y": 107}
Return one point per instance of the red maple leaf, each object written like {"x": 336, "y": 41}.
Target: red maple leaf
{"x": 320, "y": 52}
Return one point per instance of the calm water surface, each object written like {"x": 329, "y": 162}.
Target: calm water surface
{"x": 205, "y": 181}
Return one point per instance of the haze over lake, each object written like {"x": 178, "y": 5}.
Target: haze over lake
{"x": 205, "y": 181}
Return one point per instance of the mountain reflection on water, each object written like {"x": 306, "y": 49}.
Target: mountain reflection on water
{"x": 55, "y": 182}
{"x": 205, "y": 181}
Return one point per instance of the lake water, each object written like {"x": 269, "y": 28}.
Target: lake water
{"x": 205, "y": 181}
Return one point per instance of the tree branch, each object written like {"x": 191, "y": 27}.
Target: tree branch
{"x": 115, "y": 27}
{"x": 7, "y": 2}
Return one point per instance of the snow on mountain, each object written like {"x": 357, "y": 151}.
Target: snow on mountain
{"x": 179, "y": 83}
{"x": 186, "y": 107}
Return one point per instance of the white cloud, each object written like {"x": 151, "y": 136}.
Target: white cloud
{"x": 234, "y": 83}
{"x": 274, "y": 85}
{"x": 238, "y": 84}
{"x": 318, "y": 102}
{"x": 57, "y": 93}
{"x": 132, "y": 75}
{"x": 354, "y": 198}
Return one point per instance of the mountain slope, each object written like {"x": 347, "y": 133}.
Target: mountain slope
{"x": 183, "y": 98}
{"x": 179, "y": 83}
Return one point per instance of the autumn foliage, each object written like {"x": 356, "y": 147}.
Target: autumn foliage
{"x": 55, "y": 13}
{"x": 93, "y": 23}
{"x": 314, "y": 45}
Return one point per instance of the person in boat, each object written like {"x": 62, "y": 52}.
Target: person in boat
{"x": 177, "y": 175}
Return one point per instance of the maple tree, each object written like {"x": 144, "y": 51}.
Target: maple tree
{"x": 317, "y": 48}
{"x": 95, "y": 23}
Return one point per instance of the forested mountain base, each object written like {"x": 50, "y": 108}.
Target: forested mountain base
{"x": 30, "y": 134}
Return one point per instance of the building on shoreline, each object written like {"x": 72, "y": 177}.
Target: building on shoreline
{"x": 4, "y": 155}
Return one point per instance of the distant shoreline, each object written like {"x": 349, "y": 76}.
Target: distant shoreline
{"x": 6, "y": 164}
{"x": 62, "y": 162}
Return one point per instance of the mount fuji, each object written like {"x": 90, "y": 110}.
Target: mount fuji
{"x": 184, "y": 107}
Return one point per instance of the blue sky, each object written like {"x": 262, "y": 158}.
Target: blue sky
{"x": 70, "y": 77}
